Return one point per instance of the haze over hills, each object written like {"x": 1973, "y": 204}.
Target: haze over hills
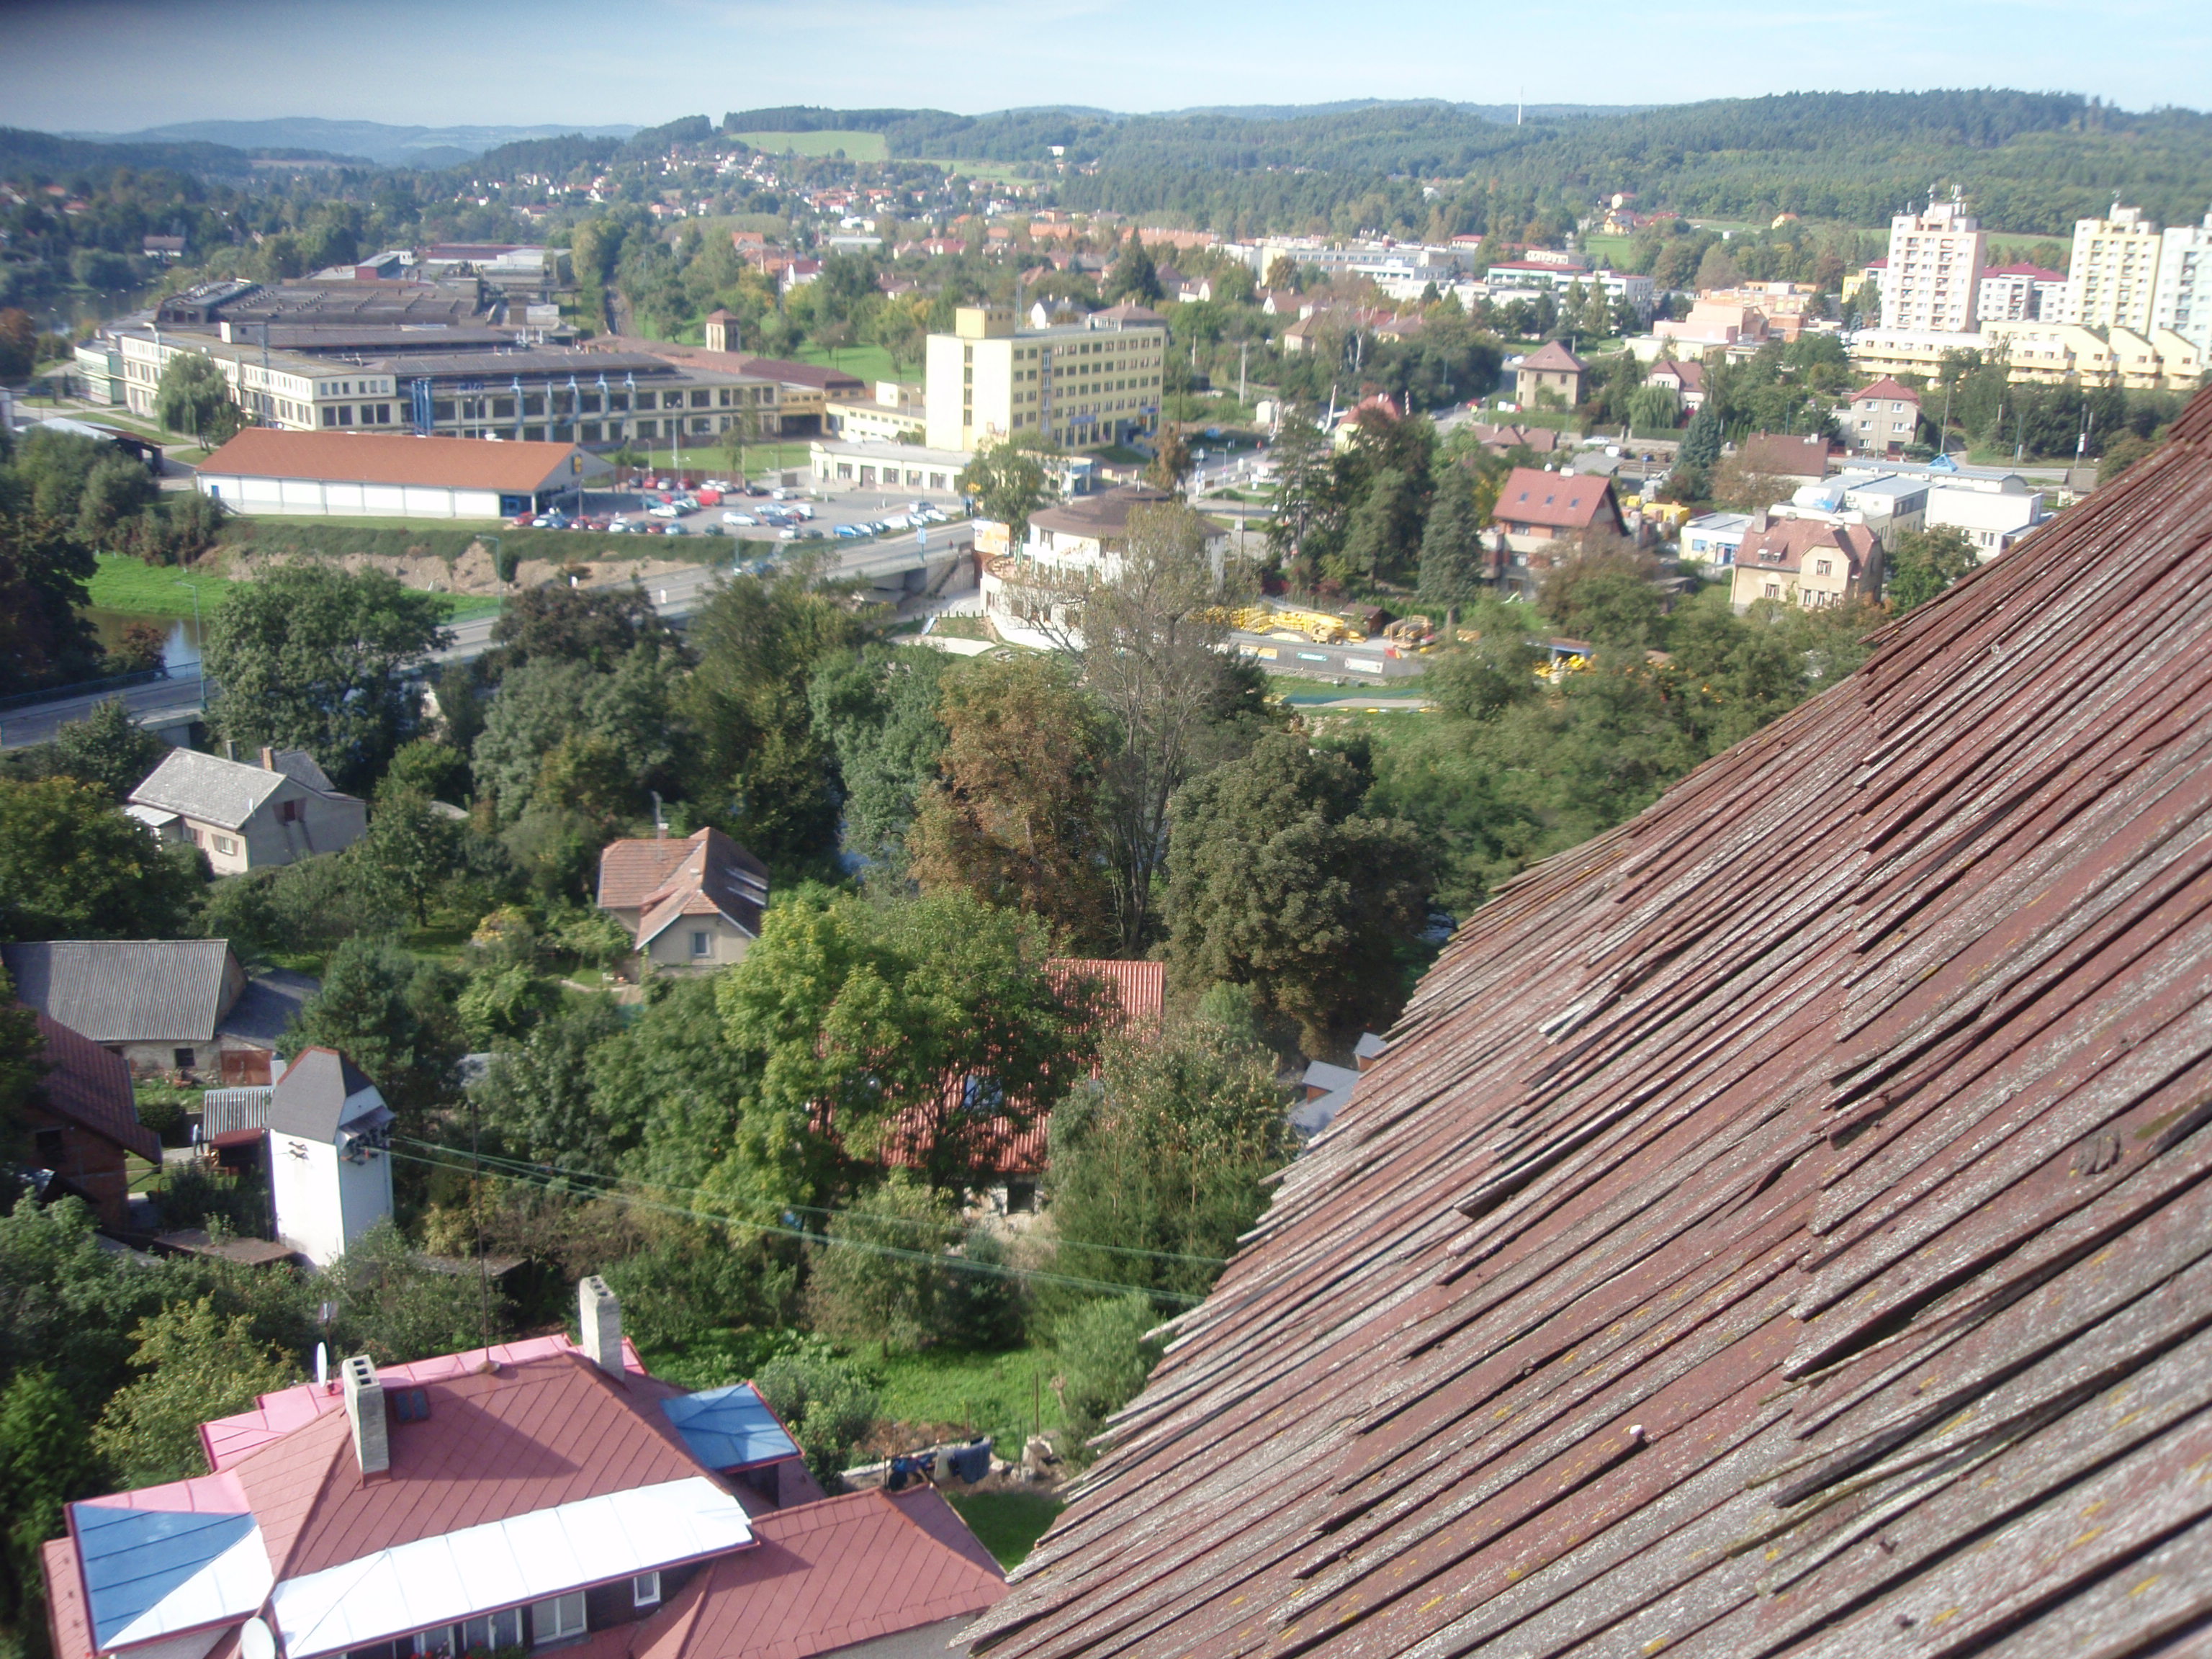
{"x": 372, "y": 141}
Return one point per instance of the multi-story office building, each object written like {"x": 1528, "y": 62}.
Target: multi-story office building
{"x": 530, "y": 394}
{"x": 2182, "y": 301}
{"x": 1932, "y": 282}
{"x": 2114, "y": 273}
{"x": 2020, "y": 294}
{"x": 1082, "y": 385}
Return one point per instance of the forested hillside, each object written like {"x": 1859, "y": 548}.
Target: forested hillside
{"x": 2033, "y": 162}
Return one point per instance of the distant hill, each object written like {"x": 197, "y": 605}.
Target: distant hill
{"x": 22, "y": 151}
{"x": 374, "y": 141}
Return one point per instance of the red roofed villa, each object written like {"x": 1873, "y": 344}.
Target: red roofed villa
{"x": 692, "y": 905}
{"x": 1806, "y": 562}
{"x": 544, "y": 1493}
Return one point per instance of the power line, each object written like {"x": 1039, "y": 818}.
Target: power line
{"x": 606, "y": 1186}
{"x": 459, "y": 1164}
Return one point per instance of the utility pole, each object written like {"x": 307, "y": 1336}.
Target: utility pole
{"x": 1243, "y": 353}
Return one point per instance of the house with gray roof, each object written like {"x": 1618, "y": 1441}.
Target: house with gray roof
{"x": 165, "y": 1005}
{"x": 247, "y": 816}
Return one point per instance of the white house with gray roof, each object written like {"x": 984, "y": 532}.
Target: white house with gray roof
{"x": 163, "y": 1004}
{"x": 329, "y": 1160}
{"x": 248, "y": 817}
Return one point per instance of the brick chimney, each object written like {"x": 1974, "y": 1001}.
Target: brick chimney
{"x": 599, "y": 1313}
{"x": 364, "y": 1404}
{"x": 268, "y": 758}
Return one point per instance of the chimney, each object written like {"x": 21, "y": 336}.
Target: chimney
{"x": 599, "y": 1312}
{"x": 268, "y": 758}
{"x": 364, "y": 1404}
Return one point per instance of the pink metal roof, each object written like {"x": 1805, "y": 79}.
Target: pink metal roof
{"x": 826, "y": 1575}
{"x": 1780, "y": 1225}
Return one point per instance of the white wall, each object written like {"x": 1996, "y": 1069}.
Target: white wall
{"x": 324, "y": 1203}
{"x": 309, "y": 496}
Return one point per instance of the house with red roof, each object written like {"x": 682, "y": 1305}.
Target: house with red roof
{"x": 1883, "y": 417}
{"x": 692, "y": 905}
{"x": 1805, "y": 562}
{"x": 83, "y": 1123}
{"x": 1537, "y": 508}
{"x": 1686, "y": 380}
{"x": 544, "y": 1493}
{"x": 1783, "y": 455}
{"x": 1550, "y": 369}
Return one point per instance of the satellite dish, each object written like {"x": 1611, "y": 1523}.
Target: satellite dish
{"x": 322, "y": 1380}
{"x": 254, "y": 1641}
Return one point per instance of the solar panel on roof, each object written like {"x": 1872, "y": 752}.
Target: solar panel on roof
{"x": 135, "y": 1560}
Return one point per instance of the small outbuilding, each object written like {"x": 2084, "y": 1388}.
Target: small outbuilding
{"x": 330, "y": 1162}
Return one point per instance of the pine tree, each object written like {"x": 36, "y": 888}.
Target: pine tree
{"x": 1701, "y": 443}
{"x": 1451, "y": 547}
{"x": 1133, "y": 278}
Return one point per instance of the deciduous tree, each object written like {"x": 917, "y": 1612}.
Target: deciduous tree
{"x": 73, "y": 866}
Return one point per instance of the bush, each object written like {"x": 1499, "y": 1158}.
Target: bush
{"x": 165, "y": 1116}
{"x": 1104, "y": 1362}
{"x": 191, "y": 1197}
{"x": 825, "y": 1401}
{"x": 880, "y": 1277}
{"x": 688, "y": 1282}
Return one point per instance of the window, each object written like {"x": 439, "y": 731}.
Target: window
{"x": 703, "y": 944}
{"x": 561, "y": 1616}
{"x": 645, "y": 1591}
{"x": 184, "y": 1059}
{"x": 51, "y": 1148}
{"x": 496, "y": 1630}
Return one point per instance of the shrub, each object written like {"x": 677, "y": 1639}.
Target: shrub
{"x": 880, "y": 1277}
{"x": 825, "y": 1401}
{"x": 1104, "y": 1361}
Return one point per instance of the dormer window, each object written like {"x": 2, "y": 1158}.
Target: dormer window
{"x": 645, "y": 1591}
{"x": 556, "y": 1618}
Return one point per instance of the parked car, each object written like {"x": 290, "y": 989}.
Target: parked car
{"x": 619, "y": 526}
{"x": 673, "y": 530}
{"x": 665, "y": 510}
{"x": 736, "y": 517}
{"x": 849, "y": 533}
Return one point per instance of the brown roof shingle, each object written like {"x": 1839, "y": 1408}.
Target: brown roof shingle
{"x": 375, "y": 457}
{"x": 1780, "y": 1225}
{"x": 91, "y": 1087}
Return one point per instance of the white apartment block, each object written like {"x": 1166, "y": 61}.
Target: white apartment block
{"x": 2182, "y": 302}
{"x": 2114, "y": 272}
{"x": 1933, "y": 281}
{"x": 1081, "y": 385}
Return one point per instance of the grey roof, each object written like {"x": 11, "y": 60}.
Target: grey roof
{"x": 223, "y": 792}
{"x": 1370, "y": 1046}
{"x": 267, "y": 1005}
{"x": 1319, "y": 1074}
{"x": 139, "y": 990}
{"x": 309, "y": 1100}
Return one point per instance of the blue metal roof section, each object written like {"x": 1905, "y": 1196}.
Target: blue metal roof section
{"x": 729, "y": 1428}
{"x": 135, "y": 1558}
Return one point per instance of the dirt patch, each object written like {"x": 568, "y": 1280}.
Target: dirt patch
{"x": 473, "y": 572}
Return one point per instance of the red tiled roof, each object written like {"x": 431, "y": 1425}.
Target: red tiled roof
{"x": 705, "y": 874}
{"x": 1781, "y": 457}
{"x": 1887, "y": 390}
{"x": 1554, "y": 500}
{"x": 377, "y": 457}
{"x": 1781, "y": 1225}
{"x": 554, "y": 1430}
{"x": 91, "y": 1087}
{"x": 630, "y": 869}
{"x": 2036, "y": 272}
{"x": 826, "y": 1575}
{"x": 1783, "y": 544}
{"x": 1554, "y": 359}
{"x": 68, "y": 1618}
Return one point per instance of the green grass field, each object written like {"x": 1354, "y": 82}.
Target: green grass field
{"x": 857, "y": 146}
{"x": 995, "y": 173}
{"x": 1606, "y": 250}
{"x": 869, "y": 362}
{"x": 1006, "y": 1523}
{"x": 1003, "y": 1395}
{"x": 123, "y": 583}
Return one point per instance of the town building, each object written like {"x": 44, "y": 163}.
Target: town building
{"x": 1713, "y": 326}
{"x": 691, "y": 905}
{"x": 328, "y": 1155}
{"x": 81, "y": 1123}
{"x": 894, "y": 415}
{"x": 1538, "y": 511}
{"x": 2182, "y": 301}
{"x": 1713, "y": 538}
{"x": 1776, "y": 1226}
{"x": 1793, "y": 458}
{"x": 319, "y": 473}
{"x": 1883, "y": 417}
{"x": 540, "y": 1494}
{"x": 1933, "y": 280}
{"x": 876, "y": 464}
{"x": 164, "y": 1005}
{"x": 1993, "y": 521}
{"x": 1081, "y": 385}
{"x": 1631, "y": 295}
{"x": 1806, "y": 562}
{"x": 802, "y": 389}
{"x": 1684, "y": 379}
{"x": 1037, "y": 589}
{"x": 248, "y": 817}
{"x": 2114, "y": 276}
{"x": 2020, "y": 294}
{"x": 2048, "y": 354}
{"x": 1549, "y": 372}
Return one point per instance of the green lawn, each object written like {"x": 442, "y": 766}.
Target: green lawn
{"x": 1005, "y": 1396}
{"x": 867, "y": 362}
{"x": 713, "y": 458}
{"x": 857, "y": 146}
{"x": 125, "y": 584}
{"x": 1606, "y": 250}
{"x": 1007, "y": 1523}
{"x": 996, "y": 173}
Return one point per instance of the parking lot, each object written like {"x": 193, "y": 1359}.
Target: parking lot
{"x": 781, "y": 515}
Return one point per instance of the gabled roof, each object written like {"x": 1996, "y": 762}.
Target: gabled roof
{"x": 1689, "y": 372}
{"x": 828, "y": 1575}
{"x": 1779, "y": 456}
{"x": 1786, "y": 543}
{"x": 137, "y": 990}
{"x": 1555, "y": 501}
{"x": 91, "y": 1087}
{"x": 224, "y": 792}
{"x": 374, "y": 458}
{"x": 321, "y": 1093}
{"x": 1887, "y": 390}
{"x": 729, "y": 1428}
{"x": 713, "y": 876}
{"x": 1781, "y": 1225}
{"x": 1553, "y": 358}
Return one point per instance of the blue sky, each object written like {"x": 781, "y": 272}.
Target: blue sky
{"x": 122, "y": 65}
